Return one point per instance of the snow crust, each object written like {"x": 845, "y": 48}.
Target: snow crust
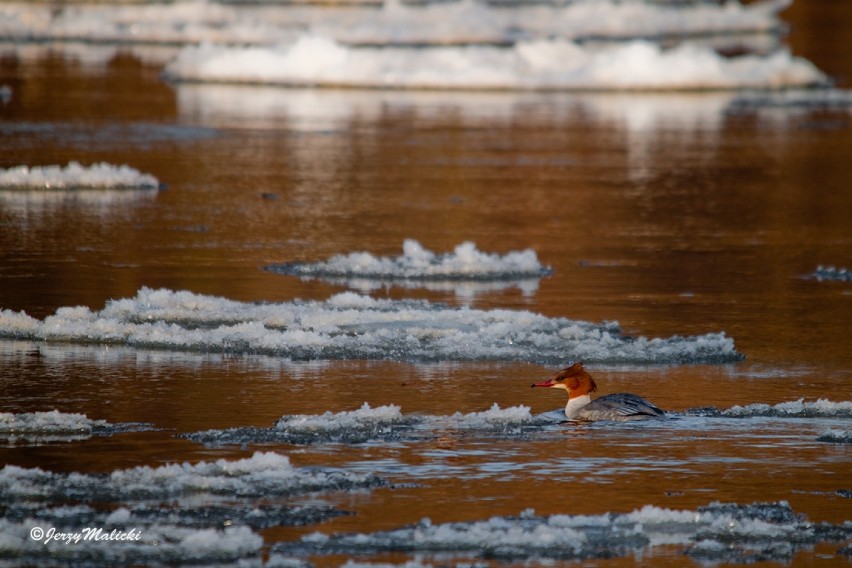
{"x": 546, "y": 64}
{"x": 737, "y": 528}
{"x": 76, "y": 176}
{"x": 351, "y": 326}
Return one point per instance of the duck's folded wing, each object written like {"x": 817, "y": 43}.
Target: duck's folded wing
{"x": 622, "y": 404}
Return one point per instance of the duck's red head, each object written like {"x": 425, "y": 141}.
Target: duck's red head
{"x": 573, "y": 379}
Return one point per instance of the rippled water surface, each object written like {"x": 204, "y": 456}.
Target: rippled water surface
{"x": 674, "y": 238}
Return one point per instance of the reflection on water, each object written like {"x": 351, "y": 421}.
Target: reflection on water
{"x": 677, "y": 216}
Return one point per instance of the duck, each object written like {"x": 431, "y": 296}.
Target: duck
{"x": 619, "y": 407}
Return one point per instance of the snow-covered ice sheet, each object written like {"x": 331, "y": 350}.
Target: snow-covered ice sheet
{"x": 720, "y": 532}
{"x": 157, "y": 545}
{"x": 265, "y": 474}
{"x": 384, "y": 423}
{"x": 350, "y": 326}
{"x": 76, "y": 176}
{"x": 392, "y": 22}
{"x": 201, "y": 513}
{"x": 388, "y": 423}
{"x": 819, "y": 408}
{"x": 466, "y": 262}
{"x": 29, "y": 428}
{"x": 314, "y": 60}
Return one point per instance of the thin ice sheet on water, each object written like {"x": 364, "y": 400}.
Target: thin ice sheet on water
{"x": 55, "y": 426}
{"x": 466, "y": 262}
{"x": 383, "y": 423}
{"x": 262, "y": 475}
{"x": 801, "y": 408}
{"x": 76, "y": 176}
{"x": 832, "y": 274}
{"x": 527, "y": 66}
{"x": 725, "y": 530}
{"x": 350, "y": 326}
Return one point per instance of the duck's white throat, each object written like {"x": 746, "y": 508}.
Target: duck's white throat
{"x": 575, "y": 405}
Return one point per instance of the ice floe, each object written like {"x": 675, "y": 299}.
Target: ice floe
{"x": 54, "y": 426}
{"x": 466, "y": 270}
{"x": 836, "y": 436}
{"x": 528, "y": 65}
{"x": 265, "y": 474}
{"x": 717, "y": 531}
{"x": 820, "y": 408}
{"x": 832, "y": 274}
{"x": 76, "y": 176}
{"x": 351, "y": 326}
{"x": 158, "y": 545}
{"x": 390, "y": 22}
{"x": 255, "y": 515}
{"x": 384, "y": 423}
{"x": 200, "y": 513}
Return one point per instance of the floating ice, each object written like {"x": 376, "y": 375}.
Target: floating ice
{"x": 529, "y": 65}
{"x": 466, "y": 262}
{"x": 156, "y": 545}
{"x": 773, "y": 528}
{"x": 831, "y": 273}
{"x": 55, "y": 426}
{"x": 225, "y": 495}
{"x": 820, "y": 408}
{"x": 350, "y": 326}
{"x": 75, "y": 176}
{"x": 368, "y": 424}
{"x": 393, "y": 22}
{"x": 254, "y": 515}
{"x": 836, "y": 436}
{"x": 262, "y": 475}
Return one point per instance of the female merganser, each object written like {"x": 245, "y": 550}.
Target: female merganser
{"x": 579, "y": 384}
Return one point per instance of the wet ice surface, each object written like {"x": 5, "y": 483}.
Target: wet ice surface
{"x": 350, "y": 326}
{"x": 718, "y": 532}
{"x": 76, "y": 176}
{"x": 29, "y": 428}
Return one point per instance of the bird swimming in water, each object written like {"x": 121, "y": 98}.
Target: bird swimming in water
{"x": 578, "y": 383}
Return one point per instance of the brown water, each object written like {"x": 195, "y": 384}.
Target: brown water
{"x": 672, "y": 214}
